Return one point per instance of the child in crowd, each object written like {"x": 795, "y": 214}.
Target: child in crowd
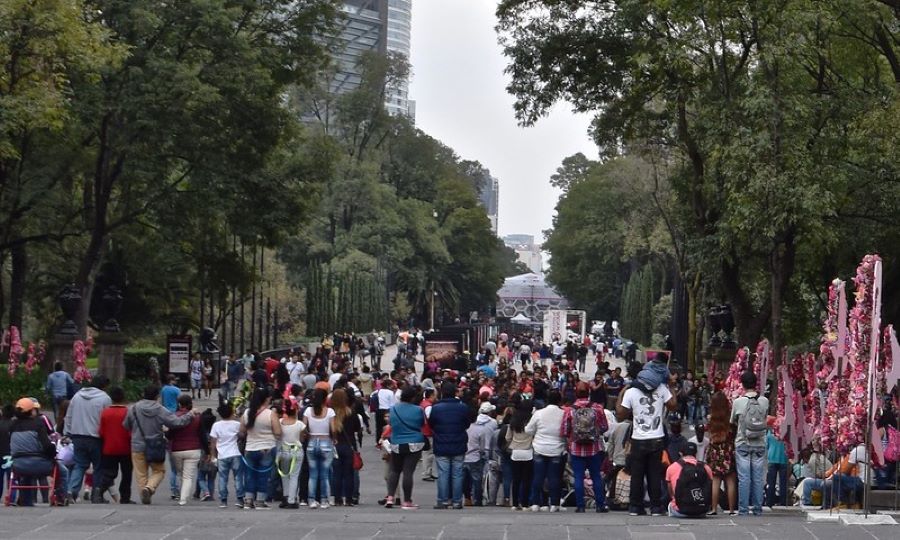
{"x": 654, "y": 373}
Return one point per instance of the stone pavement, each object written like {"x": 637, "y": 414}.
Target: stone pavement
{"x": 195, "y": 522}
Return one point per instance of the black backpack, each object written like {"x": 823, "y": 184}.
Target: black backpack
{"x": 693, "y": 489}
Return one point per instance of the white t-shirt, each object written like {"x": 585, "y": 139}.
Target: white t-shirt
{"x": 386, "y": 399}
{"x": 860, "y": 458}
{"x": 647, "y": 412}
{"x": 701, "y": 446}
{"x": 319, "y": 426}
{"x": 333, "y": 379}
{"x": 196, "y": 369}
{"x": 225, "y": 432}
{"x": 290, "y": 433}
{"x": 296, "y": 371}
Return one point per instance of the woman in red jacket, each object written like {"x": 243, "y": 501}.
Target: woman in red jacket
{"x": 186, "y": 449}
{"x": 116, "y": 449}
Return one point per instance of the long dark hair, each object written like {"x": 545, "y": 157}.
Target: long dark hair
{"x": 260, "y": 395}
{"x": 521, "y": 416}
{"x": 318, "y": 400}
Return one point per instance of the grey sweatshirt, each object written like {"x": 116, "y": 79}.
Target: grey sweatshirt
{"x": 151, "y": 416}
{"x": 83, "y": 415}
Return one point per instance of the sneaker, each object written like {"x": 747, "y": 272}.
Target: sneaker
{"x": 439, "y": 506}
{"x": 535, "y": 508}
{"x": 458, "y": 506}
{"x": 544, "y": 508}
{"x": 206, "y": 498}
{"x": 428, "y": 479}
{"x": 146, "y": 495}
{"x": 409, "y": 506}
{"x": 182, "y": 503}
{"x": 303, "y": 503}
{"x": 262, "y": 505}
{"x": 579, "y": 510}
{"x": 224, "y": 504}
{"x": 516, "y": 508}
{"x": 248, "y": 505}
{"x": 323, "y": 506}
{"x": 657, "y": 512}
{"x": 389, "y": 502}
{"x": 380, "y": 502}
{"x": 554, "y": 509}
{"x": 283, "y": 504}
{"x": 173, "y": 497}
{"x": 712, "y": 513}
{"x": 602, "y": 509}
{"x": 313, "y": 505}
{"x": 239, "y": 504}
{"x": 292, "y": 506}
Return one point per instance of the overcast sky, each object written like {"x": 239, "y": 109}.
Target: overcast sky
{"x": 460, "y": 92}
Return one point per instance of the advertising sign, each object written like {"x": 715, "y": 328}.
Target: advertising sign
{"x": 179, "y": 349}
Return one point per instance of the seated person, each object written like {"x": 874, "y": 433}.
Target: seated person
{"x": 654, "y": 373}
{"x": 693, "y": 499}
{"x": 33, "y": 453}
{"x": 813, "y": 464}
{"x": 845, "y": 476}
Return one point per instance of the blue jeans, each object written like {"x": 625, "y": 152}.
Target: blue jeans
{"x": 87, "y": 452}
{"x": 206, "y": 482}
{"x": 885, "y": 476}
{"x": 474, "y": 476}
{"x": 506, "y": 472}
{"x": 320, "y": 454}
{"x": 549, "y": 468}
{"x": 450, "y": 479}
{"x": 231, "y": 465}
{"x": 846, "y": 485}
{"x": 258, "y": 468}
{"x": 173, "y": 476}
{"x": 777, "y": 471}
{"x": 751, "y": 470}
{"x": 592, "y": 464}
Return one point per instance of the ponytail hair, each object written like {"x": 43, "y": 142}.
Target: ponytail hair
{"x": 260, "y": 395}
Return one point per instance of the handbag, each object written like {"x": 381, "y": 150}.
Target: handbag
{"x": 357, "y": 461}
{"x": 154, "y": 449}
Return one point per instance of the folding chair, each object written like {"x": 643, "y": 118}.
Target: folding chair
{"x": 12, "y": 489}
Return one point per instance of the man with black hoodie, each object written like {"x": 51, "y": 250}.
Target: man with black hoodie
{"x": 83, "y": 427}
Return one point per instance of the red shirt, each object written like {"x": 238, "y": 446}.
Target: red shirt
{"x": 116, "y": 439}
{"x": 271, "y": 365}
{"x": 187, "y": 437}
{"x": 426, "y": 429}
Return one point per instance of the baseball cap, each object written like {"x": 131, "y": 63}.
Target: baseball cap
{"x": 486, "y": 408}
{"x": 25, "y": 404}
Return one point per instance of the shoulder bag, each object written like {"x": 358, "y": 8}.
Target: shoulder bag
{"x": 155, "y": 448}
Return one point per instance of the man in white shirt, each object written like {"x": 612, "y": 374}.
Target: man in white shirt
{"x": 386, "y": 400}
{"x": 296, "y": 370}
{"x": 701, "y": 440}
{"x": 647, "y": 411}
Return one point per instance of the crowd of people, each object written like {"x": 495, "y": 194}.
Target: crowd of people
{"x": 518, "y": 424}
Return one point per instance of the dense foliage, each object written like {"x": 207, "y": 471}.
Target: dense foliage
{"x": 190, "y": 154}
{"x": 760, "y": 137}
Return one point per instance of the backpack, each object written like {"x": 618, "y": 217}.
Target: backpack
{"x": 373, "y": 402}
{"x": 584, "y": 425}
{"x": 693, "y": 489}
{"x": 892, "y": 450}
{"x": 754, "y": 419}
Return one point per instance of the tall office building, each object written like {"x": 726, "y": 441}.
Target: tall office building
{"x": 399, "y": 36}
{"x": 382, "y": 26}
{"x": 489, "y": 197}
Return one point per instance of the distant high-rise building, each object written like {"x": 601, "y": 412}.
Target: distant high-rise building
{"x": 382, "y": 26}
{"x": 526, "y": 251}
{"x": 399, "y": 37}
{"x": 489, "y": 197}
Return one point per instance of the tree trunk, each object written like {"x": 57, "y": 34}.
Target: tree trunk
{"x": 692, "y": 293}
{"x": 749, "y": 323}
{"x": 17, "y": 285}
{"x": 782, "y": 268}
{"x": 87, "y": 271}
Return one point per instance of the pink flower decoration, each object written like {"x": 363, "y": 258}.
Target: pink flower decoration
{"x": 15, "y": 350}
{"x": 79, "y": 355}
{"x": 31, "y": 360}
{"x": 733, "y": 388}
